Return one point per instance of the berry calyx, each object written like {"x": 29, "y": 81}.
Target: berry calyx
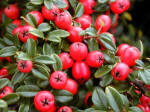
{"x": 65, "y": 109}
{"x": 120, "y": 72}
{"x": 58, "y": 80}
{"x": 24, "y": 66}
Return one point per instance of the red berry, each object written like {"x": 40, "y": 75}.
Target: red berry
{"x": 95, "y": 59}
{"x": 12, "y": 11}
{"x": 58, "y": 80}
{"x": 63, "y": 21}
{"x": 65, "y": 109}
{"x": 3, "y": 72}
{"x": 74, "y": 34}
{"x": 67, "y": 61}
{"x": 78, "y": 51}
{"x": 145, "y": 100}
{"x": 24, "y": 34}
{"x": 44, "y": 101}
{"x": 122, "y": 48}
{"x": 38, "y": 16}
{"x": 119, "y": 6}
{"x": 88, "y": 6}
{"x": 103, "y": 22}
{"x": 17, "y": 22}
{"x": 71, "y": 86}
{"x": 24, "y": 66}
{"x": 120, "y": 71}
{"x": 5, "y": 91}
{"x": 16, "y": 30}
{"x": 81, "y": 72}
{"x": 88, "y": 95}
{"x": 67, "y": 7}
{"x": 130, "y": 55}
{"x": 50, "y": 14}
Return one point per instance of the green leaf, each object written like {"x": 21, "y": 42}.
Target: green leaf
{"x": 3, "y": 104}
{"x": 43, "y": 84}
{"x": 125, "y": 101}
{"x": 99, "y": 99}
{"x": 106, "y": 40}
{"x": 37, "y": 2}
{"x": 73, "y": 4}
{"x": 28, "y": 90}
{"x": 114, "y": 99}
{"x": 91, "y": 31}
{"x": 60, "y": 3}
{"x": 107, "y": 79}
{"x": 109, "y": 56}
{"x": 8, "y": 51}
{"x": 89, "y": 85}
{"x": 44, "y": 27}
{"x": 24, "y": 108}
{"x": 11, "y": 98}
{"x": 48, "y": 4}
{"x": 36, "y": 32}
{"x": 18, "y": 78}
{"x": 40, "y": 72}
{"x": 23, "y": 56}
{"x": 140, "y": 63}
{"x": 103, "y": 70}
{"x": 31, "y": 20}
{"x": 58, "y": 63}
{"x": 144, "y": 75}
{"x": 31, "y": 47}
{"x": 135, "y": 109}
{"x": 102, "y": 1}
{"x": 79, "y": 10}
{"x": 140, "y": 46}
{"x": 63, "y": 96}
{"x": 3, "y": 82}
{"x": 93, "y": 44}
{"x": 44, "y": 59}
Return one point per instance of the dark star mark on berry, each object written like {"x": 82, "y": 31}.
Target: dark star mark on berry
{"x": 81, "y": 81}
{"x": 60, "y": 16}
{"x": 55, "y": 14}
{"x": 58, "y": 78}
{"x": 2, "y": 91}
{"x": 64, "y": 110}
{"x": 24, "y": 33}
{"x": 99, "y": 59}
{"x": 23, "y": 65}
{"x": 121, "y": 6}
{"x": 45, "y": 102}
{"x": 117, "y": 74}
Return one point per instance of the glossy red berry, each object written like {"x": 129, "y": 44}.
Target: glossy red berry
{"x": 119, "y": 6}
{"x": 5, "y": 91}
{"x": 145, "y": 100}
{"x": 63, "y": 21}
{"x": 24, "y": 34}
{"x": 87, "y": 97}
{"x": 50, "y": 14}
{"x": 38, "y": 16}
{"x": 130, "y": 55}
{"x": 58, "y": 80}
{"x": 74, "y": 34}
{"x": 17, "y": 22}
{"x": 95, "y": 59}
{"x": 78, "y": 51}
{"x": 3, "y": 72}
{"x": 85, "y": 21}
{"x": 67, "y": 61}
{"x": 88, "y": 6}
{"x": 65, "y": 109}
{"x": 122, "y": 48}
{"x": 24, "y": 66}
{"x": 67, "y": 3}
{"x": 103, "y": 22}
{"x": 16, "y": 30}
{"x": 44, "y": 101}
{"x": 12, "y": 11}
{"x": 120, "y": 71}
{"x": 81, "y": 72}
{"x": 71, "y": 86}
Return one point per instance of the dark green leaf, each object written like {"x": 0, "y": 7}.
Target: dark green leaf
{"x": 109, "y": 56}
{"x": 28, "y": 90}
{"x": 23, "y": 56}
{"x": 44, "y": 59}
{"x": 24, "y": 108}
{"x": 3, "y": 82}
{"x": 58, "y": 63}
{"x": 73, "y": 4}
{"x": 36, "y": 32}
{"x": 144, "y": 75}
{"x": 63, "y": 96}
{"x": 135, "y": 109}
{"x": 60, "y": 3}
{"x": 37, "y": 2}
{"x": 8, "y": 51}
{"x": 11, "y": 98}
{"x": 140, "y": 46}
{"x": 79, "y": 10}
{"x": 91, "y": 31}
{"x": 107, "y": 79}
{"x": 44, "y": 27}
{"x": 48, "y": 4}
{"x": 93, "y": 44}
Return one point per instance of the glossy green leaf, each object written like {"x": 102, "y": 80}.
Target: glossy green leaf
{"x": 79, "y": 10}
{"x": 135, "y": 109}
{"x": 99, "y": 99}
{"x": 37, "y": 2}
{"x": 36, "y": 32}
{"x": 58, "y": 63}
{"x": 144, "y": 75}
{"x": 3, "y": 104}
{"x": 28, "y": 90}
{"x": 44, "y": 27}
{"x": 31, "y": 47}
{"x": 60, "y": 3}
{"x": 44, "y": 59}
{"x": 62, "y": 96}
{"x": 107, "y": 79}
{"x": 48, "y": 4}
{"x": 8, "y": 51}
{"x": 31, "y": 20}
{"x": 102, "y": 1}
{"x": 11, "y": 98}
{"x": 3, "y": 82}
{"x": 24, "y": 108}
{"x": 93, "y": 44}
